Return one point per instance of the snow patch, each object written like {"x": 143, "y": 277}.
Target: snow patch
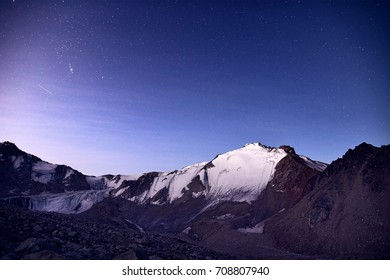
{"x": 258, "y": 228}
{"x": 118, "y": 193}
{"x": 175, "y": 182}
{"x": 225, "y": 216}
{"x": 136, "y": 225}
{"x": 117, "y": 180}
{"x": 317, "y": 165}
{"x": 43, "y": 172}
{"x": 139, "y": 198}
{"x": 17, "y": 161}
{"x": 69, "y": 173}
{"x": 198, "y": 194}
{"x": 101, "y": 182}
{"x": 187, "y": 230}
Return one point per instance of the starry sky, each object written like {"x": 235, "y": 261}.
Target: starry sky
{"x": 135, "y": 86}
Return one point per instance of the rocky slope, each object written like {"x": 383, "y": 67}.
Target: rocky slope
{"x": 346, "y": 211}
{"x": 35, "y": 235}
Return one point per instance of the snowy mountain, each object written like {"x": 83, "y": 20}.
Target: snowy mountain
{"x": 260, "y": 200}
{"x": 29, "y": 181}
{"x": 239, "y": 175}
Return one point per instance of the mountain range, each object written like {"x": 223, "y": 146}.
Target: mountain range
{"x": 255, "y": 202}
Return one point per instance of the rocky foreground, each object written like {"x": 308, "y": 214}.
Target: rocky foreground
{"x": 35, "y": 235}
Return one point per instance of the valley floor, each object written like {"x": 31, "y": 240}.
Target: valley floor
{"x": 28, "y": 234}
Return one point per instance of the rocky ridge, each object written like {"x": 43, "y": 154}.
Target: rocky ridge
{"x": 345, "y": 212}
{"x": 286, "y": 206}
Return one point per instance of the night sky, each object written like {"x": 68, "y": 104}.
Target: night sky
{"x": 136, "y": 86}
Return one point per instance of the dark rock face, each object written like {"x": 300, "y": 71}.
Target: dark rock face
{"x": 288, "y": 149}
{"x": 285, "y": 189}
{"x": 136, "y": 188}
{"x": 346, "y": 213}
{"x": 18, "y": 177}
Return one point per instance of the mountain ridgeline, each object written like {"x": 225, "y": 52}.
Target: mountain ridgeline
{"x": 255, "y": 202}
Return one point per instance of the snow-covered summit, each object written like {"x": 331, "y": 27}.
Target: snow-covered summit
{"x": 255, "y": 145}
{"x": 238, "y": 175}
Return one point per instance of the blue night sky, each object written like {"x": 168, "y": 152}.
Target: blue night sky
{"x": 136, "y": 86}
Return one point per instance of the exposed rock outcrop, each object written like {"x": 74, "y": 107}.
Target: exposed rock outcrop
{"x": 346, "y": 212}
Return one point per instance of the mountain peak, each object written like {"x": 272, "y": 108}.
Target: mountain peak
{"x": 7, "y": 144}
{"x": 288, "y": 149}
{"x": 360, "y": 151}
{"x": 9, "y": 148}
{"x": 257, "y": 145}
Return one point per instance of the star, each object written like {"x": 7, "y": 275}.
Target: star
{"x": 71, "y": 69}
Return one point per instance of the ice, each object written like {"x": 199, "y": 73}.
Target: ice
{"x": 67, "y": 203}
{"x": 43, "y": 172}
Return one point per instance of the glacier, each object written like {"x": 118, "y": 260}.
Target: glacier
{"x": 66, "y": 203}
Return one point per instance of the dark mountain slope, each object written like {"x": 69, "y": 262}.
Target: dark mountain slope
{"x": 346, "y": 212}
{"x": 25, "y": 174}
